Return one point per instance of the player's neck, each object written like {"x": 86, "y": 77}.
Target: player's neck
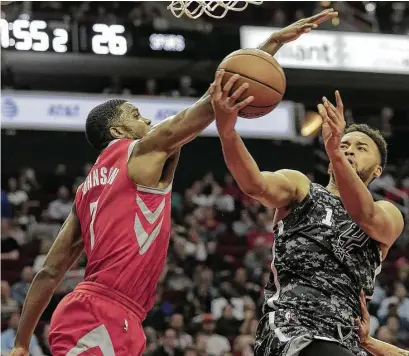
{"x": 332, "y": 188}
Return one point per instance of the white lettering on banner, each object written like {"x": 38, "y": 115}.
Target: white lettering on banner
{"x": 334, "y": 50}
{"x": 383, "y": 53}
{"x": 43, "y": 111}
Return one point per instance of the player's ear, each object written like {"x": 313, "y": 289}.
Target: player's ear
{"x": 378, "y": 171}
{"x": 117, "y": 132}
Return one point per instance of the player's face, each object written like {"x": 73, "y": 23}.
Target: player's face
{"x": 132, "y": 124}
{"x": 363, "y": 155}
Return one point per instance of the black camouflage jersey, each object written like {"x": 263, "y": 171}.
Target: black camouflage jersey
{"x": 321, "y": 261}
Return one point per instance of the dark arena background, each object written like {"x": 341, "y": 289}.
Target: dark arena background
{"x": 60, "y": 59}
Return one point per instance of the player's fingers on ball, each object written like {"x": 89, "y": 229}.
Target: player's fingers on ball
{"x": 243, "y": 103}
{"x": 239, "y": 91}
{"x": 227, "y": 87}
{"x": 218, "y": 78}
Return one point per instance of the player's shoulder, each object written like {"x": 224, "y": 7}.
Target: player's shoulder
{"x": 298, "y": 180}
{"x": 391, "y": 210}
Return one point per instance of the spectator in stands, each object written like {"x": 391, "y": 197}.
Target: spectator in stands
{"x": 59, "y": 209}
{"x": 15, "y": 195}
{"x": 157, "y": 19}
{"x": 8, "y": 336}
{"x": 116, "y": 87}
{"x": 216, "y": 344}
{"x": 177, "y": 324}
{"x": 169, "y": 344}
{"x": 279, "y": 18}
{"x": 45, "y": 229}
{"x": 10, "y": 249}
{"x": 8, "y": 304}
{"x": 137, "y": 16}
{"x": 255, "y": 258}
{"x": 191, "y": 351}
{"x": 151, "y": 340}
{"x": 399, "y": 300}
{"x": 20, "y": 289}
{"x": 28, "y": 181}
{"x": 227, "y": 325}
{"x": 259, "y": 231}
{"x": 151, "y": 87}
{"x": 244, "y": 225}
{"x": 228, "y": 296}
{"x": 185, "y": 87}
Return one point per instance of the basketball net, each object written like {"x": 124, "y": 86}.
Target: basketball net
{"x": 195, "y": 9}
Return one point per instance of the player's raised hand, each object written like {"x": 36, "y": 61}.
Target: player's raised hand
{"x": 295, "y": 30}
{"x": 362, "y": 323}
{"x": 333, "y": 125}
{"x": 19, "y": 351}
{"x": 226, "y": 104}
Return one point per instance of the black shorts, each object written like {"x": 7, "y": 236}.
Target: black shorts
{"x": 320, "y": 347}
{"x": 277, "y": 336}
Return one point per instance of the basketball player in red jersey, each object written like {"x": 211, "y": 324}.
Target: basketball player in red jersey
{"x": 121, "y": 218}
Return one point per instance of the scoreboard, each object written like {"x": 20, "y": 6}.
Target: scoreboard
{"x": 115, "y": 39}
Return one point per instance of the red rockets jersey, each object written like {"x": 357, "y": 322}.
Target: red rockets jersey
{"x": 125, "y": 227}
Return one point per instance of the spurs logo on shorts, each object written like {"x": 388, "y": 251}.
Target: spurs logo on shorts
{"x": 349, "y": 239}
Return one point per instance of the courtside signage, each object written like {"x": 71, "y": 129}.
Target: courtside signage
{"x": 333, "y": 50}
{"x": 47, "y": 111}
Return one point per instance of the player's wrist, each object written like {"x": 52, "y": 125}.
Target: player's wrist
{"x": 336, "y": 155}
{"x": 227, "y": 133}
{"x": 366, "y": 342}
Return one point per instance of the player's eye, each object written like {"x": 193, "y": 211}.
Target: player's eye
{"x": 362, "y": 149}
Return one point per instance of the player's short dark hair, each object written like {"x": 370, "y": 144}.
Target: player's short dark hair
{"x": 98, "y": 122}
{"x": 376, "y": 137}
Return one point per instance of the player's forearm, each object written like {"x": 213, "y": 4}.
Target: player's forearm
{"x": 38, "y": 297}
{"x": 354, "y": 194}
{"x": 186, "y": 125}
{"x": 379, "y": 348}
{"x": 241, "y": 164}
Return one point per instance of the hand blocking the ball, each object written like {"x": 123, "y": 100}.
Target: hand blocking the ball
{"x": 226, "y": 107}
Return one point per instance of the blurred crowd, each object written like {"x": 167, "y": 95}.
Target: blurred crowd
{"x": 210, "y": 293}
{"x": 369, "y": 16}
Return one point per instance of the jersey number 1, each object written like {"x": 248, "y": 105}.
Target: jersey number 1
{"x": 93, "y": 211}
{"x": 328, "y": 218}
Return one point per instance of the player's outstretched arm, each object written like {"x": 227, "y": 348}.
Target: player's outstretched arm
{"x": 295, "y": 30}
{"x": 169, "y": 135}
{"x": 66, "y": 249}
{"x": 374, "y": 346}
{"x": 275, "y": 190}
{"x": 380, "y": 220}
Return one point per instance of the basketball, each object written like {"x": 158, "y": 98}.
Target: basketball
{"x": 264, "y": 75}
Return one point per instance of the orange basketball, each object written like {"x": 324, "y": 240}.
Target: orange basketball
{"x": 264, "y": 75}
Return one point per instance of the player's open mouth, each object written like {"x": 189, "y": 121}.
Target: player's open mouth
{"x": 351, "y": 162}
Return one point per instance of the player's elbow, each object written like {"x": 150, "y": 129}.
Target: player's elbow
{"x": 51, "y": 275}
{"x": 253, "y": 189}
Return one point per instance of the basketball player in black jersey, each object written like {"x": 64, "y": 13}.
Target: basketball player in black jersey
{"x": 329, "y": 241}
